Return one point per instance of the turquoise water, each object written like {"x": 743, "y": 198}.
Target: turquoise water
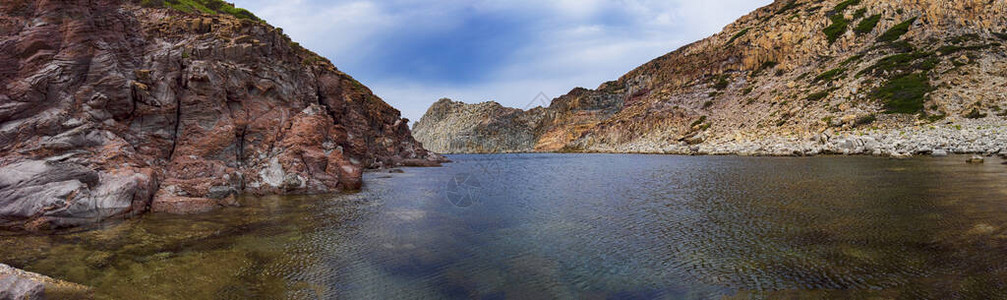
{"x": 544, "y": 226}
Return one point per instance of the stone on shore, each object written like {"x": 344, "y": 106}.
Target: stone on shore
{"x": 20, "y": 284}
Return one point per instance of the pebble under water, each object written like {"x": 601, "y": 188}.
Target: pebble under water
{"x": 571, "y": 226}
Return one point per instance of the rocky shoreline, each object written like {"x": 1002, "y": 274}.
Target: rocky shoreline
{"x": 969, "y": 138}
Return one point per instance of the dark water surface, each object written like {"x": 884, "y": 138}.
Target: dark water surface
{"x": 573, "y": 227}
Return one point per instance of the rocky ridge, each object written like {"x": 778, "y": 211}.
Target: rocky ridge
{"x": 111, "y": 108}
{"x": 879, "y": 77}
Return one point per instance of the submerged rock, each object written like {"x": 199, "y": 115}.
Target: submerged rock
{"x": 975, "y": 159}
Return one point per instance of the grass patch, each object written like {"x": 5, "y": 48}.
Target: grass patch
{"x": 900, "y": 46}
{"x": 747, "y": 91}
{"x": 722, "y": 82}
{"x": 853, "y": 59}
{"x": 707, "y": 104}
{"x": 819, "y": 95}
{"x": 927, "y": 64}
{"x": 935, "y": 118}
{"x": 965, "y": 38}
{"x": 896, "y": 31}
{"x": 843, "y": 5}
{"x": 865, "y": 120}
{"x": 975, "y": 114}
{"x": 830, "y": 75}
{"x": 765, "y": 66}
{"x": 904, "y": 95}
{"x": 952, "y": 49}
{"x": 700, "y": 121}
{"x": 1002, "y": 36}
{"x": 738, "y": 35}
{"x": 899, "y": 64}
{"x": 859, "y": 13}
{"x": 867, "y": 25}
{"x": 787, "y": 7}
{"x": 202, "y": 6}
{"x": 837, "y": 28}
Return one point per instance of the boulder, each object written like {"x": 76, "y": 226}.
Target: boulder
{"x": 61, "y": 194}
{"x": 20, "y": 284}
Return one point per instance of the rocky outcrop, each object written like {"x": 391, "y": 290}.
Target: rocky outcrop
{"x": 803, "y": 77}
{"x": 478, "y": 128}
{"x": 109, "y": 109}
{"x": 23, "y": 285}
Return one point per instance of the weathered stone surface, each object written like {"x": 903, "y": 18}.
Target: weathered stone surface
{"x": 68, "y": 194}
{"x": 21, "y": 285}
{"x": 108, "y": 108}
{"x": 763, "y": 86}
{"x": 481, "y": 128}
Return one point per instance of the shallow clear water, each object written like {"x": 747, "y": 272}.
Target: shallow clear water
{"x": 573, "y": 226}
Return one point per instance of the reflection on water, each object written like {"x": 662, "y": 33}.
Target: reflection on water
{"x": 583, "y": 226}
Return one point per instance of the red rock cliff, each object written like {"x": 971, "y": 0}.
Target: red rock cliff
{"x": 110, "y": 109}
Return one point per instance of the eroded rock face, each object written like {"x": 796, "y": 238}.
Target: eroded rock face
{"x": 455, "y": 127}
{"x": 108, "y": 109}
{"x": 775, "y": 82}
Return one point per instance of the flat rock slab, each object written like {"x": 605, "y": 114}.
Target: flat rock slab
{"x": 19, "y": 284}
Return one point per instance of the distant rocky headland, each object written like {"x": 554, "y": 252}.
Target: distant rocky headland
{"x": 109, "y": 109}
{"x": 876, "y": 77}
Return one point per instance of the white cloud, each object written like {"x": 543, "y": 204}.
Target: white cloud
{"x": 571, "y": 42}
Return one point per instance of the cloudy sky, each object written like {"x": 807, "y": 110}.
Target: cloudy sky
{"x": 413, "y": 52}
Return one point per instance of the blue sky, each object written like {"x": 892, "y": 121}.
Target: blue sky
{"x": 413, "y": 52}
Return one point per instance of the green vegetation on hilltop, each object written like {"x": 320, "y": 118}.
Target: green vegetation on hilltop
{"x": 202, "y": 6}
